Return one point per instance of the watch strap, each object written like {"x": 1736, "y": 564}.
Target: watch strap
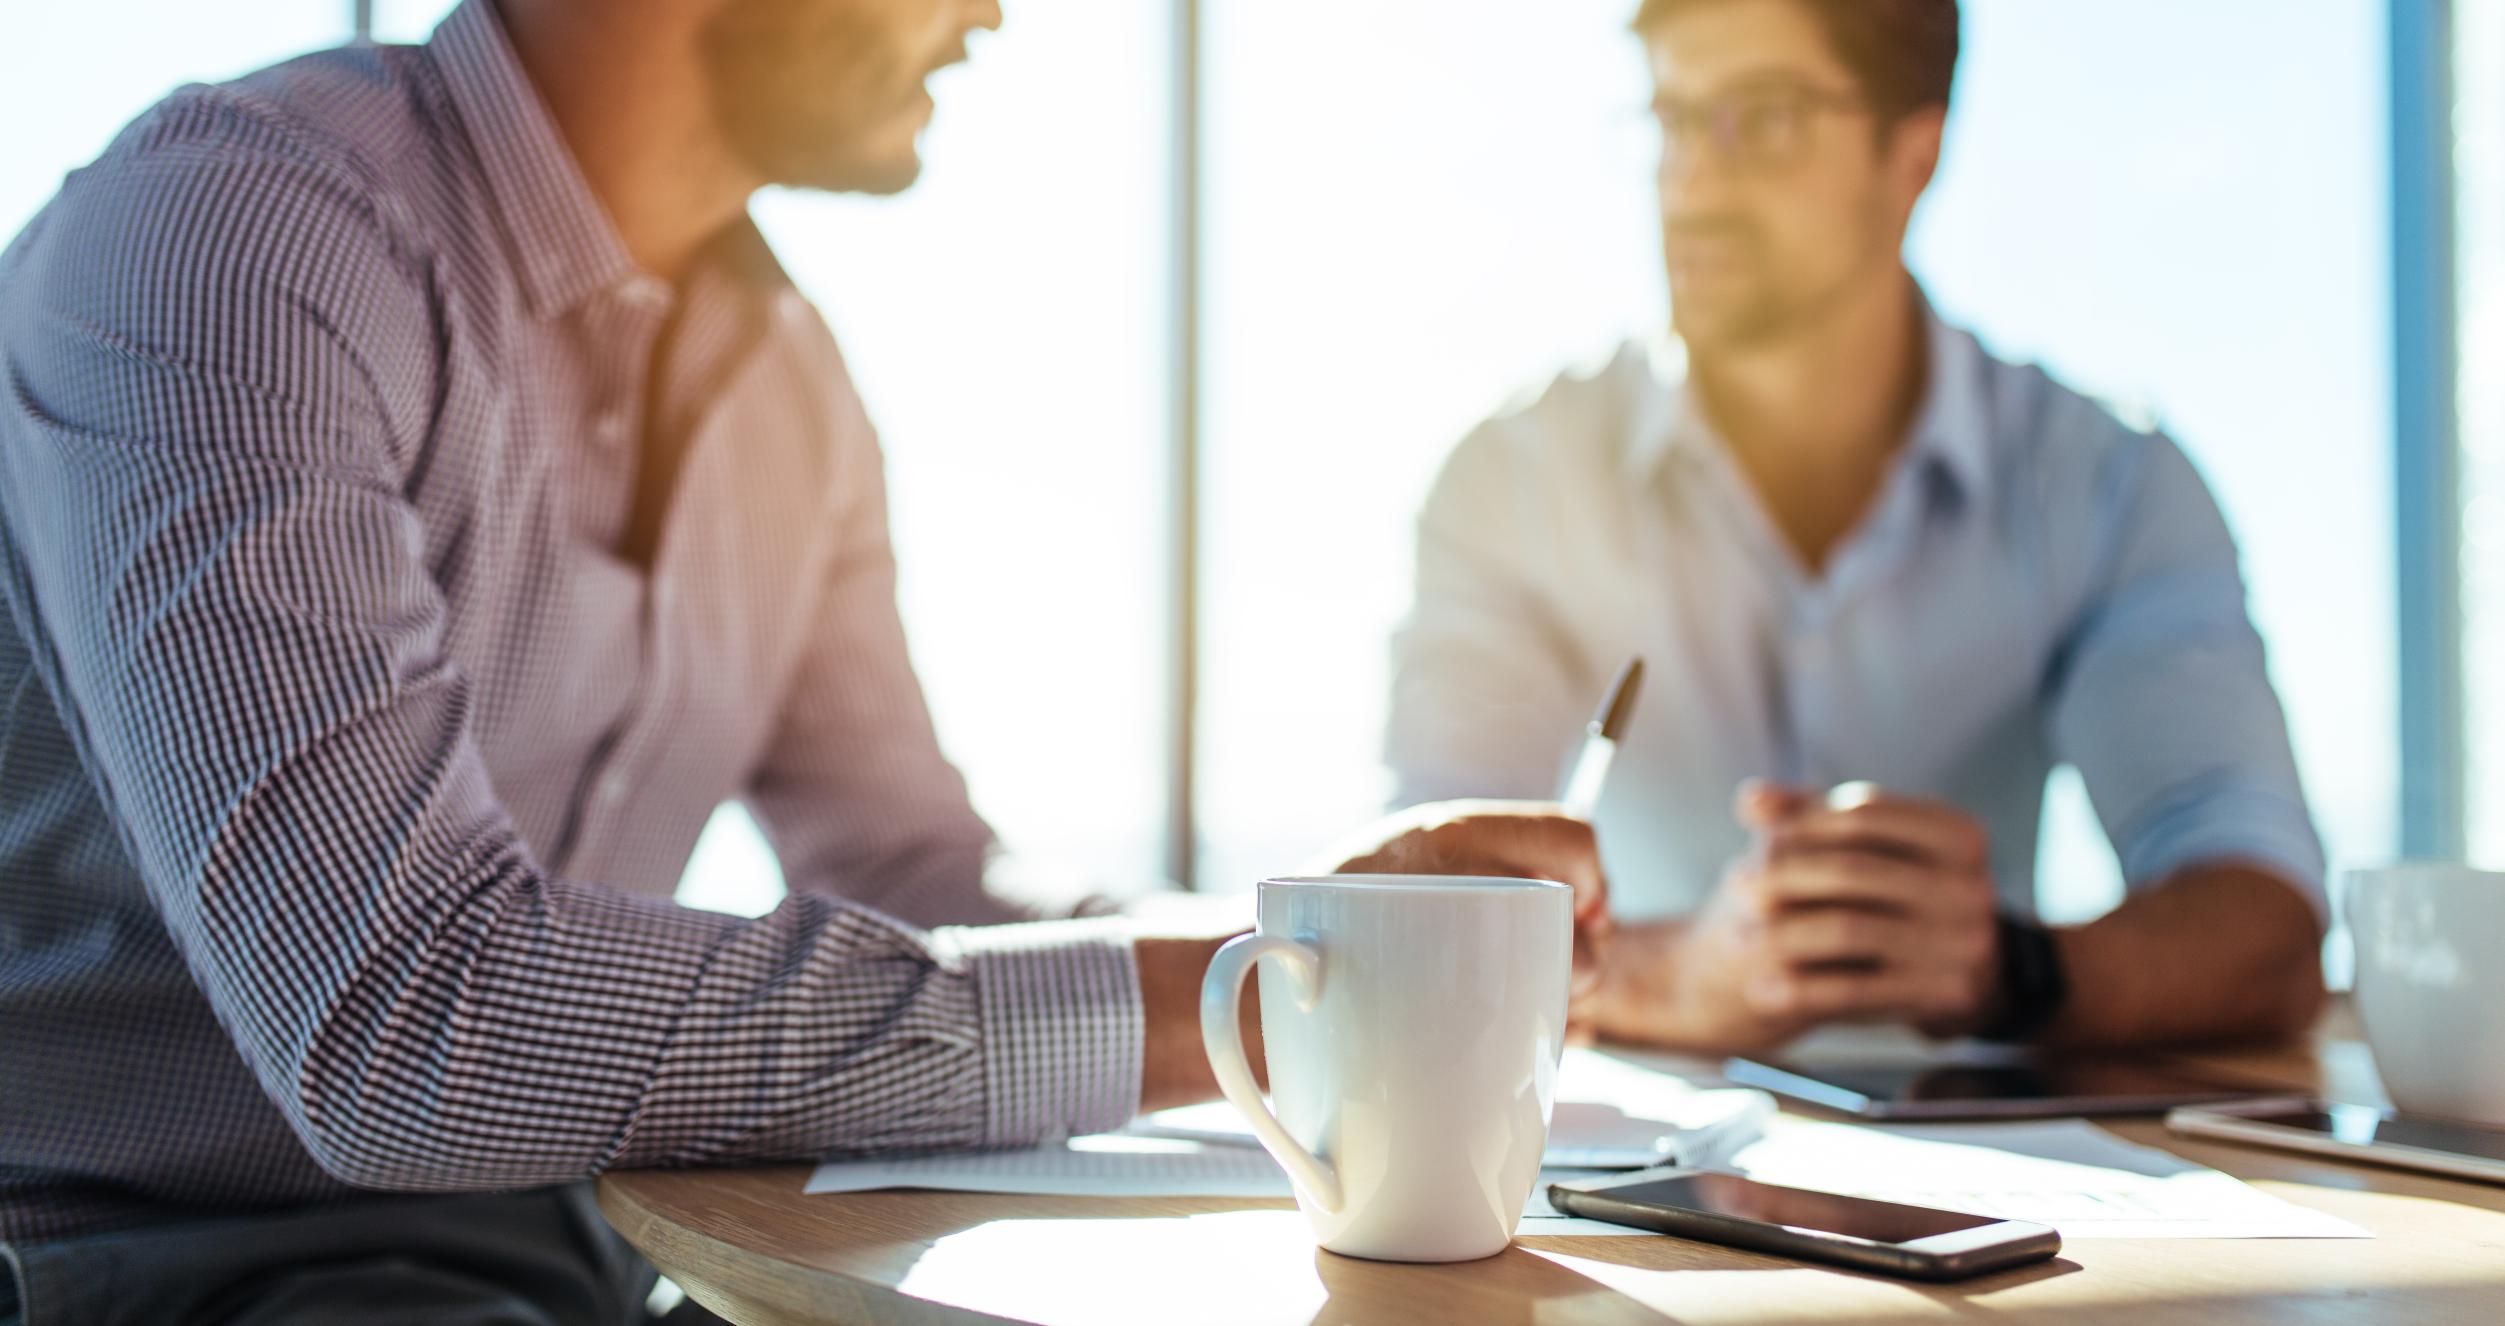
{"x": 2033, "y": 983}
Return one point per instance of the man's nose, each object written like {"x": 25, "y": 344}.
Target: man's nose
{"x": 984, "y": 14}
{"x": 1693, "y": 174}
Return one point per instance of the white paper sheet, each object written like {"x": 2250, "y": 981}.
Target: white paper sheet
{"x": 1118, "y": 1165}
{"x": 2067, "y": 1173}
{"x": 1610, "y": 1114}
{"x": 1107, "y": 1165}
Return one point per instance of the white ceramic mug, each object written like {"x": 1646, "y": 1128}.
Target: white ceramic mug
{"x": 1413, "y": 1026}
{"x": 2431, "y": 985}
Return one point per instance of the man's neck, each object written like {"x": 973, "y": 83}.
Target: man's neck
{"x": 629, "y": 100}
{"x": 1815, "y": 418}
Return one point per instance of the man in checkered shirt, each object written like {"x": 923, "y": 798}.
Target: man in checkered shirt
{"x": 423, "y": 500}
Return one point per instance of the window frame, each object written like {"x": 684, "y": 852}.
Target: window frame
{"x": 2426, "y": 436}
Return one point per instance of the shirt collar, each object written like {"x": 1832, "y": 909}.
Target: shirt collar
{"x": 564, "y": 244}
{"x": 1951, "y": 426}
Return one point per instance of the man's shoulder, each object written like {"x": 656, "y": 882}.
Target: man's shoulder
{"x": 260, "y": 204}
{"x": 349, "y": 114}
{"x": 2057, "y": 443}
{"x": 2085, "y": 477}
{"x": 1578, "y": 423}
{"x": 304, "y": 158}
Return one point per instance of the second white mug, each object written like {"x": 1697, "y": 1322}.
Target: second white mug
{"x": 1413, "y": 1025}
{"x": 2431, "y": 985}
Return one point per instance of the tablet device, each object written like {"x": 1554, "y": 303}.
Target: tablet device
{"x": 2355, "y": 1133}
{"x": 2014, "y": 1086}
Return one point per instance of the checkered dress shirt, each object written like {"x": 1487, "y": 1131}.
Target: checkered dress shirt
{"x": 346, "y": 769}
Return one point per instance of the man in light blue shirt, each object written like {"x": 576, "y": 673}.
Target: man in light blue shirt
{"x": 1885, "y": 584}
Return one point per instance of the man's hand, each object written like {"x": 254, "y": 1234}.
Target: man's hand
{"x": 1526, "y": 840}
{"x": 1514, "y": 839}
{"x": 1855, "y": 906}
{"x": 1875, "y": 906}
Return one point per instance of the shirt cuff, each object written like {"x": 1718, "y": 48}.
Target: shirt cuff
{"x": 1063, "y": 1028}
{"x": 2229, "y": 822}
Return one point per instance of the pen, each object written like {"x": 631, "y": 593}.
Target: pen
{"x": 1600, "y": 742}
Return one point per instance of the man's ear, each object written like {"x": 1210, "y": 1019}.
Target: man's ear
{"x": 1914, "y": 151}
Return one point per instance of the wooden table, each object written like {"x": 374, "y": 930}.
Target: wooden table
{"x": 751, "y": 1246}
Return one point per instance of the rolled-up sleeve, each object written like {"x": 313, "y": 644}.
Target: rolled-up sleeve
{"x": 208, "y": 546}
{"x": 2161, "y": 694}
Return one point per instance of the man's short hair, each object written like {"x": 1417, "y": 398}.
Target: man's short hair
{"x": 1902, "y": 52}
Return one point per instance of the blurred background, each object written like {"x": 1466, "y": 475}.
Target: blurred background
{"x": 1195, "y": 295}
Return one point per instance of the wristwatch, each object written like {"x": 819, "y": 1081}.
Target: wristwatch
{"x": 2033, "y": 986}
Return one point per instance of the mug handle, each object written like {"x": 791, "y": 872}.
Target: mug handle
{"x": 1221, "y": 994}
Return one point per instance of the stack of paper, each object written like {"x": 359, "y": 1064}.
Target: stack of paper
{"x": 1121, "y": 1165}
{"x": 2070, "y": 1174}
{"x": 1610, "y": 1114}
{"x": 2067, "y": 1173}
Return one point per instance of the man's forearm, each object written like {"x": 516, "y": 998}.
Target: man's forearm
{"x": 2219, "y": 952}
{"x": 1174, "y": 1065}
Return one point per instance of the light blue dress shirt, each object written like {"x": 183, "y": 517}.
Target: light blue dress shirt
{"x": 2036, "y": 584}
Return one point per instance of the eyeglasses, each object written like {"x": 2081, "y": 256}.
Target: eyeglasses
{"x": 1759, "y": 128}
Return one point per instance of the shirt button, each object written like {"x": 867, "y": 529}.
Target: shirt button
{"x": 612, "y": 789}
{"x": 609, "y": 427}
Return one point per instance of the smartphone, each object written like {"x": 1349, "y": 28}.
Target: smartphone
{"x": 2356, "y": 1133}
{"x": 1916, "y": 1242}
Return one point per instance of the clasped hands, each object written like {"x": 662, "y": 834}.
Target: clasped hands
{"x": 1855, "y": 905}
{"x": 1858, "y": 905}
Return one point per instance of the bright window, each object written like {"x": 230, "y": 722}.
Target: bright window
{"x": 2191, "y": 223}
{"x": 407, "y": 21}
{"x": 1409, "y": 221}
{"x": 1007, "y": 323}
{"x": 2479, "y": 166}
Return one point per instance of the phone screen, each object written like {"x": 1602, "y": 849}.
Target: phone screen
{"x": 2363, "y": 1125}
{"x": 1798, "y": 1208}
